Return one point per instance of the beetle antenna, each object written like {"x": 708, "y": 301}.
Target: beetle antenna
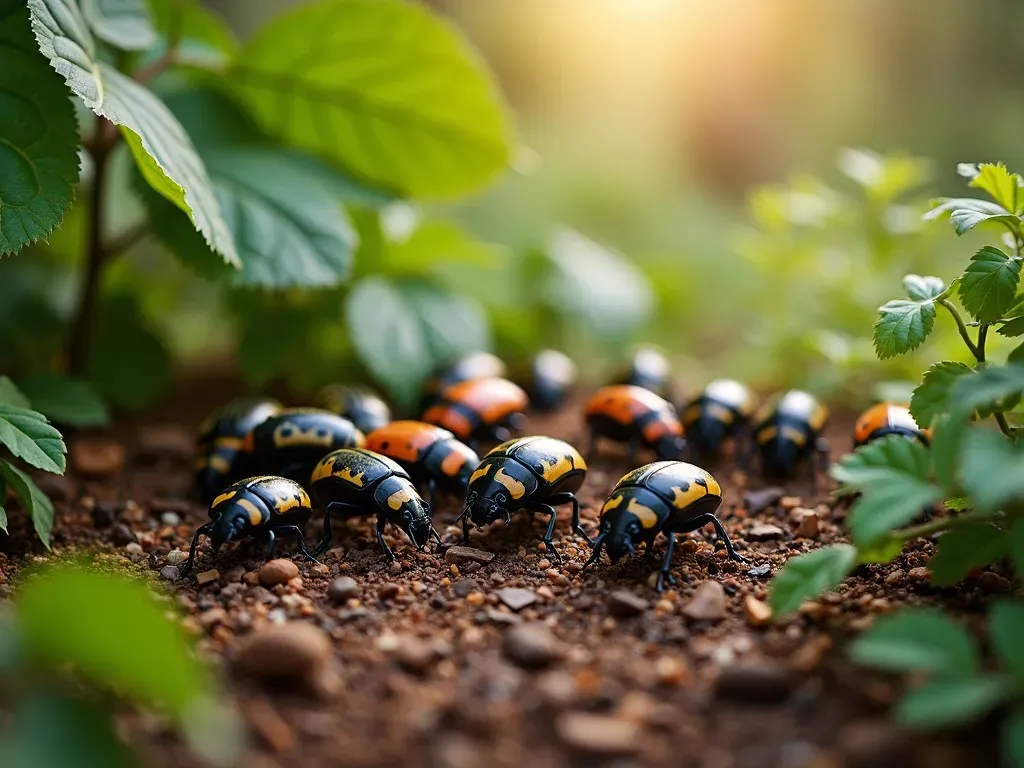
{"x": 203, "y": 529}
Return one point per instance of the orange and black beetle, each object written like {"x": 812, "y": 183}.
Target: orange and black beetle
{"x": 723, "y": 410}
{"x": 220, "y": 441}
{"x": 534, "y": 474}
{"x": 474, "y": 365}
{"x": 258, "y": 505}
{"x": 291, "y": 442}
{"x": 666, "y": 497}
{"x": 360, "y": 406}
{"x": 788, "y": 431}
{"x": 887, "y": 419}
{"x": 650, "y": 369}
{"x": 428, "y": 453}
{"x": 479, "y": 409}
{"x": 635, "y": 416}
{"x": 550, "y": 379}
{"x": 353, "y": 482}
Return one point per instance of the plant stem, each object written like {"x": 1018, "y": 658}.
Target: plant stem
{"x": 961, "y": 326}
{"x": 943, "y": 524}
{"x": 982, "y": 339}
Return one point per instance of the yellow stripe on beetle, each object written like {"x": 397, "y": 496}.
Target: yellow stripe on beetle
{"x": 682, "y": 499}
{"x": 648, "y": 517}
{"x": 227, "y": 495}
{"x": 398, "y": 498}
{"x": 515, "y": 488}
{"x": 255, "y": 515}
{"x": 480, "y": 472}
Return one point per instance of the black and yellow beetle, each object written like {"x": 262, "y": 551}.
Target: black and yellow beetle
{"x": 429, "y": 454}
{"x": 787, "y": 431}
{"x": 549, "y": 379}
{"x": 885, "y": 419}
{"x": 220, "y": 441}
{"x": 256, "y": 506}
{"x": 533, "y": 474}
{"x": 666, "y": 497}
{"x": 637, "y": 417}
{"x": 650, "y": 369}
{"x": 480, "y": 409}
{"x": 362, "y": 407}
{"x": 722, "y": 410}
{"x": 471, "y": 366}
{"x": 291, "y": 442}
{"x": 355, "y": 482}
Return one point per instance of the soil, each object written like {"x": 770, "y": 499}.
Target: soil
{"x": 431, "y": 668}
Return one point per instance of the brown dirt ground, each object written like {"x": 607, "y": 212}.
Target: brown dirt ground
{"x": 664, "y": 689}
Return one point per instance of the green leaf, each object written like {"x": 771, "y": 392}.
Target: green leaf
{"x": 125, "y": 24}
{"x": 1017, "y": 546}
{"x": 950, "y": 702}
{"x": 129, "y": 364}
{"x": 918, "y": 640}
{"x": 946, "y": 450}
{"x": 882, "y": 551}
{"x": 38, "y": 137}
{"x": 3, "y": 514}
{"x": 160, "y": 146}
{"x": 931, "y": 398}
{"x": 66, "y": 401}
{"x": 923, "y": 288}
{"x": 1013, "y": 328}
{"x": 29, "y": 436}
{"x": 893, "y": 477}
{"x": 35, "y": 502}
{"x": 809, "y": 575}
{"x": 902, "y": 326}
{"x": 967, "y": 546}
{"x": 66, "y": 615}
{"x": 205, "y": 39}
{"x": 452, "y": 325}
{"x": 436, "y": 242}
{"x": 1016, "y": 356}
{"x": 966, "y": 213}
{"x": 597, "y": 286}
{"x": 11, "y": 395}
{"x": 989, "y": 284}
{"x": 1005, "y": 630}
{"x": 986, "y": 388}
{"x": 992, "y": 468}
{"x": 1013, "y": 739}
{"x": 999, "y": 183}
{"x": 958, "y": 504}
{"x": 382, "y": 88}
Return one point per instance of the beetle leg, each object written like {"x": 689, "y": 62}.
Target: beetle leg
{"x": 298, "y": 537}
{"x": 548, "y": 509}
{"x": 723, "y": 535}
{"x": 595, "y": 556}
{"x": 568, "y": 497}
{"x": 665, "y": 574}
{"x": 381, "y": 522}
{"x": 271, "y": 543}
{"x": 330, "y": 509}
{"x": 464, "y": 517}
{"x": 203, "y": 529}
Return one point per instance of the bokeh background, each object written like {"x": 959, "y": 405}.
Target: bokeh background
{"x": 749, "y": 177}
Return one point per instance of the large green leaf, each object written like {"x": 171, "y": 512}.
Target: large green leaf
{"x": 989, "y": 284}
{"x": 902, "y": 326}
{"x": 986, "y": 388}
{"x": 808, "y": 575}
{"x": 931, "y": 398}
{"x": 159, "y": 144}
{"x": 965, "y": 547}
{"x": 38, "y": 137}
{"x": 125, "y": 24}
{"x": 35, "y": 502}
{"x": 66, "y": 401}
{"x": 3, "y": 513}
{"x": 998, "y": 182}
{"x": 924, "y": 287}
{"x": 382, "y": 88}
{"x": 1013, "y": 739}
{"x": 1006, "y": 628}
{"x": 950, "y": 702}
{"x": 917, "y": 640}
{"x": 1017, "y": 546}
{"x": 11, "y": 395}
{"x": 29, "y": 436}
{"x": 993, "y": 469}
{"x": 205, "y": 39}
{"x": 966, "y": 213}
{"x": 452, "y": 325}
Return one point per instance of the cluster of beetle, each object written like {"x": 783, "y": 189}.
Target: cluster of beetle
{"x": 352, "y": 460}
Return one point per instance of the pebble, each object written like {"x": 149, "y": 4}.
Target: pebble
{"x": 764, "y": 532}
{"x": 759, "y": 500}
{"x": 387, "y": 591}
{"x": 207, "y": 576}
{"x": 342, "y": 589}
{"x": 531, "y": 646}
{"x": 599, "y": 735}
{"x": 415, "y": 655}
{"x": 97, "y": 459}
{"x": 622, "y": 603}
{"x": 463, "y": 587}
{"x": 122, "y": 535}
{"x": 277, "y": 571}
{"x": 993, "y": 582}
{"x": 809, "y": 527}
{"x": 760, "y": 571}
{"x": 758, "y": 613}
{"x": 919, "y": 574}
{"x": 211, "y": 617}
{"x": 895, "y": 577}
{"x": 177, "y": 557}
{"x": 672, "y": 671}
{"x": 459, "y": 554}
{"x": 292, "y": 652}
{"x": 170, "y": 573}
{"x": 707, "y": 604}
{"x": 515, "y": 598}
{"x": 752, "y": 685}
{"x": 172, "y": 519}
{"x": 790, "y": 502}
{"x": 557, "y": 688}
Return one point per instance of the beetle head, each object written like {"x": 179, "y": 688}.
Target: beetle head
{"x": 413, "y": 517}
{"x": 485, "y": 509}
{"x": 227, "y": 527}
{"x": 622, "y": 533}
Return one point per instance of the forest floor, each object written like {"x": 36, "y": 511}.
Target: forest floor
{"x": 451, "y": 662}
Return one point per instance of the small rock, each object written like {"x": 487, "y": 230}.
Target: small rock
{"x": 672, "y": 671}
{"x": 895, "y": 577}
{"x": 764, "y": 532}
{"x": 622, "y": 603}
{"x": 172, "y": 519}
{"x": 919, "y": 574}
{"x": 342, "y": 589}
{"x": 121, "y": 535}
{"x": 103, "y": 514}
{"x": 500, "y": 617}
{"x": 291, "y": 653}
{"x": 207, "y": 576}
{"x": 790, "y": 502}
{"x": 760, "y": 571}
{"x": 437, "y": 602}
{"x": 133, "y": 548}
{"x": 211, "y": 617}
{"x": 277, "y": 571}
{"x": 170, "y": 573}
{"x": 387, "y": 591}
{"x": 752, "y": 685}
{"x": 459, "y": 555}
{"x": 557, "y": 688}
{"x": 993, "y": 582}
{"x": 707, "y": 604}
{"x": 516, "y": 599}
{"x": 758, "y": 613}
{"x": 463, "y": 587}
{"x": 809, "y": 527}
{"x": 599, "y": 735}
{"x": 177, "y": 557}
{"x": 415, "y": 655}
{"x": 756, "y": 501}
{"x": 531, "y": 646}
{"x": 809, "y": 655}
{"x": 97, "y": 459}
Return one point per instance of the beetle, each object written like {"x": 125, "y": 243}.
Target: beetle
{"x": 362, "y": 407}
{"x": 291, "y": 442}
{"x": 257, "y": 505}
{"x": 666, "y": 497}
{"x": 887, "y": 419}
{"x": 355, "y": 482}
{"x": 550, "y": 379}
{"x": 533, "y": 474}
{"x": 650, "y": 369}
{"x": 722, "y": 410}
{"x": 220, "y": 440}
{"x": 788, "y": 431}
{"x": 480, "y": 409}
{"x": 474, "y": 365}
{"x": 428, "y": 453}
{"x": 636, "y": 416}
